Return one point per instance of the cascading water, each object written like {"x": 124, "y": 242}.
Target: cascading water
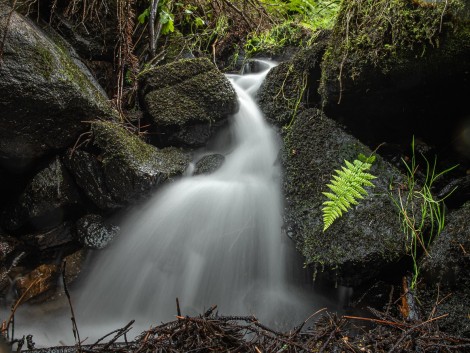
{"x": 208, "y": 239}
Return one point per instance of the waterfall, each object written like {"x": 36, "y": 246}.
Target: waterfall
{"x": 206, "y": 240}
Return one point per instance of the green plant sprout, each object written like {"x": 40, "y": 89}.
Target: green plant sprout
{"x": 422, "y": 216}
{"x": 347, "y": 186}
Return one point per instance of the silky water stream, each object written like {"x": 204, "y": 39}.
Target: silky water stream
{"x": 206, "y": 239}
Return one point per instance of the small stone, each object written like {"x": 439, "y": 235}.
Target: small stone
{"x": 94, "y": 233}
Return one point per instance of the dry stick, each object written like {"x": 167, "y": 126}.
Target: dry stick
{"x": 298, "y": 329}
{"x": 76, "y": 334}
{"x": 178, "y": 310}
{"x": 120, "y": 332}
{"x": 391, "y": 323}
{"x": 407, "y": 332}
{"x": 20, "y": 301}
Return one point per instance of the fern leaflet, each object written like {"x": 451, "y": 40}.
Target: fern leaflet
{"x": 347, "y": 187}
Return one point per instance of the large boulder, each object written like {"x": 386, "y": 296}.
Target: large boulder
{"x": 187, "y": 101}
{"x": 446, "y": 285}
{"x": 364, "y": 240}
{"x": 125, "y": 169}
{"x": 403, "y": 71}
{"x": 46, "y": 92}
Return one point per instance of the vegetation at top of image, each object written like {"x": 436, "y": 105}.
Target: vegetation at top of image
{"x": 373, "y": 33}
{"x": 347, "y": 187}
{"x": 421, "y": 214}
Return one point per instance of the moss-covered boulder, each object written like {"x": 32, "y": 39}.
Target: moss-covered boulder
{"x": 46, "y": 93}
{"x": 187, "y": 101}
{"x": 292, "y": 86}
{"x": 46, "y": 201}
{"x": 364, "y": 240}
{"x": 446, "y": 275}
{"x": 125, "y": 168}
{"x": 397, "y": 68}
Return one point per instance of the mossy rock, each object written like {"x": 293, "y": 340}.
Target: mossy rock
{"x": 290, "y": 87}
{"x": 445, "y": 272}
{"x": 46, "y": 93}
{"x": 397, "y": 68}
{"x": 364, "y": 240}
{"x": 186, "y": 94}
{"x": 126, "y": 169}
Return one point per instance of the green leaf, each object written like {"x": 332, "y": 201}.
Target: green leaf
{"x": 168, "y": 27}
{"x": 143, "y": 16}
{"x": 199, "y": 22}
{"x": 347, "y": 187}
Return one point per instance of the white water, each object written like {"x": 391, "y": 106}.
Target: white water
{"x": 211, "y": 239}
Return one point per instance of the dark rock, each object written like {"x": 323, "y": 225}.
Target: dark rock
{"x": 446, "y": 274}
{"x": 55, "y": 237}
{"x": 46, "y": 93}
{"x": 457, "y": 192}
{"x": 89, "y": 176}
{"x": 98, "y": 38}
{"x": 94, "y": 233}
{"x": 126, "y": 169}
{"x": 46, "y": 199}
{"x": 188, "y": 100}
{"x": 8, "y": 246}
{"x": 74, "y": 265}
{"x": 209, "y": 164}
{"x": 364, "y": 240}
{"x": 388, "y": 83}
{"x": 292, "y": 85}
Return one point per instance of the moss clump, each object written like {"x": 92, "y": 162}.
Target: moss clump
{"x": 383, "y": 33}
{"x": 120, "y": 146}
{"x": 188, "y": 92}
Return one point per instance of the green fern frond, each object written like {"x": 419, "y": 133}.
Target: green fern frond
{"x": 347, "y": 187}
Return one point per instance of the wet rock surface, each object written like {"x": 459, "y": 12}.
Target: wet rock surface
{"x": 46, "y": 199}
{"x": 292, "y": 85}
{"x": 209, "y": 164}
{"x": 94, "y": 233}
{"x": 188, "y": 100}
{"x": 364, "y": 240}
{"x": 39, "y": 282}
{"x": 125, "y": 169}
{"x": 447, "y": 276}
{"x": 46, "y": 93}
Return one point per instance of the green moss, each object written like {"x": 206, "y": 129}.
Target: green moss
{"x": 187, "y": 92}
{"x": 385, "y": 34}
{"x": 45, "y": 61}
{"x": 117, "y": 144}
